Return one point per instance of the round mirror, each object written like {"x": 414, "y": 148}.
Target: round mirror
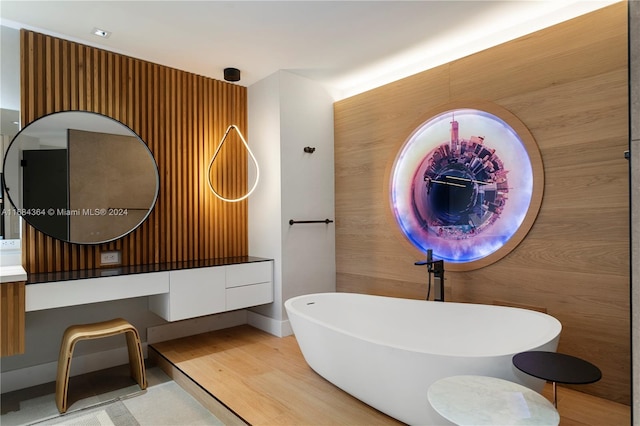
{"x": 80, "y": 177}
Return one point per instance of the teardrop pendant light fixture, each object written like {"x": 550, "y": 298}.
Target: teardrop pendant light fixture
{"x": 253, "y": 158}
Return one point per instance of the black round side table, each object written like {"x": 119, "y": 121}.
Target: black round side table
{"x": 557, "y": 368}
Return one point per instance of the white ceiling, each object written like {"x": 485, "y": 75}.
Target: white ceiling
{"x": 349, "y": 46}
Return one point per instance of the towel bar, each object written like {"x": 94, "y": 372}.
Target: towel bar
{"x": 293, "y": 222}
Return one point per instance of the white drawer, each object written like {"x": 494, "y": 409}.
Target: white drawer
{"x": 249, "y": 295}
{"x": 193, "y": 293}
{"x": 249, "y": 273}
{"x": 196, "y": 292}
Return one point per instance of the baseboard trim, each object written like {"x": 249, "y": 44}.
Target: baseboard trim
{"x": 45, "y": 373}
{"x": 272, "y": 326}
{"x": 190, "y": 327}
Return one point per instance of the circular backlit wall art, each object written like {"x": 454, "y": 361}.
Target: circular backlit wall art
{"x": 467, "y": 186}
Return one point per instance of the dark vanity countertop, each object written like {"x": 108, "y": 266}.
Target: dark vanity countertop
{"x": 138, "y": 269}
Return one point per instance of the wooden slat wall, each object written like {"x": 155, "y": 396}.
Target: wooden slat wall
{"x": 182, "y": 118}
{"x": 569, "y": 85}
{"x": 12, "y": 313}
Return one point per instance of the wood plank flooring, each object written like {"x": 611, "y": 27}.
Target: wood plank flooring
{"x": 581, "y": 409}
{"x": 265, "y": 381}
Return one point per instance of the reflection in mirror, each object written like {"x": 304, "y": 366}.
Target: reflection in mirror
{"x": 9, "y": 223}
{"x": 81, "y": 177}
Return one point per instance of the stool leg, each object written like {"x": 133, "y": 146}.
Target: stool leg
{"x": 62, "y": 377}
{"x": 136, "y": 359}
{"x": 555, "y": 395}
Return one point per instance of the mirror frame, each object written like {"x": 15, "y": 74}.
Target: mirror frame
{"x": 111, "y": 122}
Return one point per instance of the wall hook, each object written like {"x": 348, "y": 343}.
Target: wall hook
{"x": 309, "y": 149}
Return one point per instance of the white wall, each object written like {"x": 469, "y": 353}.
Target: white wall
{"x": 265, "y": 206}
{"x": 304, "y": 253}
{"x": 9, "y": 105}
{"x": 10, "y": 68}
{"x": 307, "y": 186}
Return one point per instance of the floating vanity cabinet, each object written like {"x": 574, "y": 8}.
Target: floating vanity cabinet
{"x": 210, "y": 290}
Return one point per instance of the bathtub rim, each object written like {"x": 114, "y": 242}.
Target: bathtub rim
{"x": 556, "y": 336}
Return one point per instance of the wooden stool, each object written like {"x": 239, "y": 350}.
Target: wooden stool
{"x": 75, "y": 333}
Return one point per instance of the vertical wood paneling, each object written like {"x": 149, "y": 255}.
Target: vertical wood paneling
{"x": 12, "y": 312}
{"x": 181, "y": 117}
{"x": 569, "y": 85}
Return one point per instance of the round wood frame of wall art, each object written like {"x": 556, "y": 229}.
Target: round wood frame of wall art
{"x": 535, "y": 160}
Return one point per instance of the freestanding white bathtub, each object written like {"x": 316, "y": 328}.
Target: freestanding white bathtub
{"x": 387, "y": 351}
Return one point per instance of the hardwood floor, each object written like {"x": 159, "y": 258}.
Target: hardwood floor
{"x": 264, "y": 380}
{"x": 580, "y": 409}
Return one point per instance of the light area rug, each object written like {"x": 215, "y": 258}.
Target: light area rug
{"x": 165, "y": 404}
{"x": 114, "y": 414}
{"x": 169, "y": 405}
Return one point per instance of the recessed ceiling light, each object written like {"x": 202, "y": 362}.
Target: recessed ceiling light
{"x": 101, "y": 33}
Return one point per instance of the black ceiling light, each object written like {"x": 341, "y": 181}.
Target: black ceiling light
{"x": 232, "y": 74}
